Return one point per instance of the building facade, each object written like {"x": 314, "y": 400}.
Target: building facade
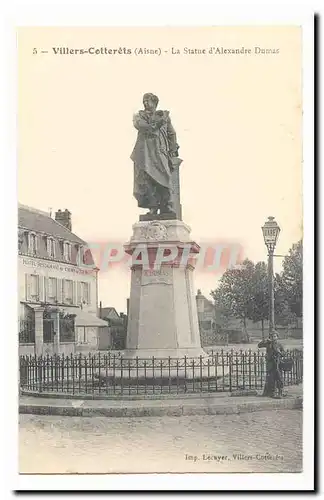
{"x": 117, "y": 328}
{"x": 58, "y": 286}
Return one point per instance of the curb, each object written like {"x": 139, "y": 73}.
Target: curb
{"x": 198, "y": 407}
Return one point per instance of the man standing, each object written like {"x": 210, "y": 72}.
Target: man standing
{"x": 154, "y": 150}
{"x": 274, "y": 353}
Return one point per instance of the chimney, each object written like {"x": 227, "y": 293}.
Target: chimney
{"x": 64, "y": 218}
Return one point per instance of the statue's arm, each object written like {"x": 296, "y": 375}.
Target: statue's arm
{"x": 172, "y": 138}
{"x": 141, "y": 124}
{"x": 144, "y": 126}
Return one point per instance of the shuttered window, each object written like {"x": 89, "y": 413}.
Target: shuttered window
{"x": 51, "y": 247}
{"x": 34, "y": 287}
{"x": 52, "y": 289}
{"x": 85, "y": 295}
{"x": 68, "y": 291}
{"x": 67, "y": 249}
{"x": 32, "y": 244}
{"x": 59, "y": 291}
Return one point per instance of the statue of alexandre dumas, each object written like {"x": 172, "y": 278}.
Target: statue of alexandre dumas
{"x": 155, "y": 155}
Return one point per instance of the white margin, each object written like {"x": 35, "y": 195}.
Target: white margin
{"x": 143, "y": 14}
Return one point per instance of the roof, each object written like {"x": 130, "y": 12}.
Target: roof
{"x": 108, "y": 312}
{"x": 86, "y": 319}
{"x": 208, "y": 304}
{"x": 38, "y": 221}
{"x": 83, "y": 318}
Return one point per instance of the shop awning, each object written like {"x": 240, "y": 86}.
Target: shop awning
{"x": 85, "y": 319}
{"x": 82, "y": 318}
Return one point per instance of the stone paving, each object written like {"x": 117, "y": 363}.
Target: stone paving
{"x": 264, "y": 441}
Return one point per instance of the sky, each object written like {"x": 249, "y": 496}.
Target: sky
{"x": 238, "y": 120}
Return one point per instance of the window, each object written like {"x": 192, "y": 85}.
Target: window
{"x": 84, "y": 292}
{"x": 21, "y": 240}
{"x": 67, "y": 250}
{"x": 68, "y": 291}
{"x": 52, "y": 289}
{"x": 32, "y": 244}
{"x": 51, "y": 247}
{"x": 34, "y": 287}
{"x": 82, "y": 335}
{"x": 79, "y": 255}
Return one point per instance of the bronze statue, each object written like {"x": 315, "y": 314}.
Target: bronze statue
{"x": 155, "y": 158}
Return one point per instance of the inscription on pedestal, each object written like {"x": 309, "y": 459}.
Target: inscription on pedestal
{"x": 152, "y": 276}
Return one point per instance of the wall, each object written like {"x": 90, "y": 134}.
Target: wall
{"x": 208, "y": 337}
{"x": 66, "y": 348}
{"x": 104, "y": 338}
{"x": 26, "y": 350}
{"x": 91, "y": 341}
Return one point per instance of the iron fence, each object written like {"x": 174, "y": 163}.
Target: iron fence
{"x": 111, "y": 375}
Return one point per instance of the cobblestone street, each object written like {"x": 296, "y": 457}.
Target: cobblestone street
{"x": 265, "y": 441}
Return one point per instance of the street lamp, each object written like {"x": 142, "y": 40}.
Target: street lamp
{"x": 271, "y": 232}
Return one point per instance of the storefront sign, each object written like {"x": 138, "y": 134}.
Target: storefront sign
{"x": 37, "y": 264}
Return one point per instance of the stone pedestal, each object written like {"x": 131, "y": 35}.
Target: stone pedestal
{"x": 163, "y": 317}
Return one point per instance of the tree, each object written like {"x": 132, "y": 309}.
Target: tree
{"x": 243, "y": 293}
{"x": 234, "y": 295}
{"x": 291, "y": 279}
{"x": 260, "y": 292}
{"x": 223, "y": 312}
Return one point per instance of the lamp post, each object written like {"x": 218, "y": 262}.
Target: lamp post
{"x": 271, "y": 232}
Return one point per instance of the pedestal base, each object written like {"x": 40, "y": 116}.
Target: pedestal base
{"x": 155, "y": 371}
{"x": 148, "y": 354}
{"x": 149, "y": 217}
{"x": 162, "y": 316}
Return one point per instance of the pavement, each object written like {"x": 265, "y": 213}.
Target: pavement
{"x": 258, "y": 442}
{"x": 204, "y": 404}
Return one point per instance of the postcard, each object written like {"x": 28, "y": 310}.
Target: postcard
{"x": 160, "y": 251}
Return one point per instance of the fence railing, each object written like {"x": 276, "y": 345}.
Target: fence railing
{"x": 110, "y": 375}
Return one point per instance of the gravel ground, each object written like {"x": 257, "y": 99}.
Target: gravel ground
{"x": 265, "y": 441}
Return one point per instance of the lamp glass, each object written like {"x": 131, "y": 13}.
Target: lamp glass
{"x": 270, "y": 232}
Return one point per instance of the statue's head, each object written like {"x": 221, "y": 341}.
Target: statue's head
{"x": 150, "y": 101}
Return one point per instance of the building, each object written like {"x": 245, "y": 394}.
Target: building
{"x": 58, "y": 286}
{"x": 117, "y": 328}
{"x": 207, "y": 319}
{"x": 214, "y": 330}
